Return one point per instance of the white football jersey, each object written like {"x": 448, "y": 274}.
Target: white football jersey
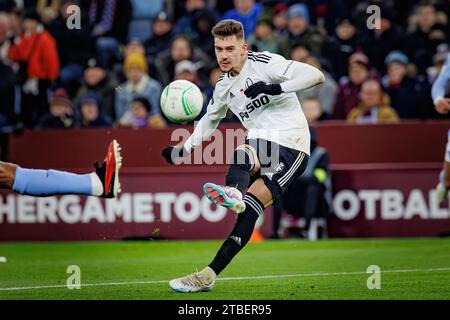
{"x": 277, "y": 118}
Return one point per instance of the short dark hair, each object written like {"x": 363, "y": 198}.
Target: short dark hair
{"x": 227, "y": 28}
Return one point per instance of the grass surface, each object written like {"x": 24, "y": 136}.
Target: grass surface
{"x": 319, "y": 270}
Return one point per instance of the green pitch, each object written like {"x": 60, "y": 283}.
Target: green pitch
{"x": 410, "y": 269}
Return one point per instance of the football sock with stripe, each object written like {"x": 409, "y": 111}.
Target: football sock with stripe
{"x": 240, "y": 235}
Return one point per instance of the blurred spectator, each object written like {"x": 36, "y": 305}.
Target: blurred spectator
{"x": 325, "y": 93}
{"x": 144, "y": 12}
{"x": 185, "y": 70}
{"x": 264, "y": 39}
{"x": 48, "y": 10}
{"x": 313, "y": 110}
{"x": 6, "y": 34}
{"x": 7, "y": 94}
{"x": 280, "y": 19}
{"x": 383, "y": 40}
{"x": 340, "y": 46}
{"x": 426, "y": 32}
{"x": 91, "y": 112}
{"x": 98, "y": 80}
{"x": 7, "y": 5}
{"x": 7, "y": 77}
{"x": 300, "y": 30}
{"x": 161, "y": 35}
{"x": 439, "y": 59}
{"x": 408, "y": 95}
{"x": 222, "y": 6}
{"x": 138, "y": 115}
{"x": 334, "y": 11}
{"x": 139, "y": 83}
{"x": 110, "y": 21}
{"x": 37, "y": 55}
{"x": 441, "y": 90}
{"x": 349, "y": 88}
{"x": 247, "y": 12}
{"x": 181, "y": 49}
{"x": 374, "y": 107}
{"x": 75, "y": 47}
{"x": 16, "y": 22}
{"x": 358, "y": 10}
{"x": 62, "y": 113}
{"x": 309, "y": 196}
{"x": 300, "y": 52}
{"x": 204, "y": 21}
{"x": 134, "y": 45}
{"x": 186, "y": 25}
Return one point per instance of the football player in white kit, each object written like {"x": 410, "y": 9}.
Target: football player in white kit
{"x": 259, "y": 88}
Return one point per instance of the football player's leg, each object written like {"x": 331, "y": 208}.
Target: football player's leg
{"x": 257, "y": 195}
{"x": 238, "y": 238}
{"x": 51, "y": 182}
{"x": 104, "y": 182}
{"x": 244, "y": 164}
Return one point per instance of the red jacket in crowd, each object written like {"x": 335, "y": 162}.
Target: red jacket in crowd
{"x": 43, "y": 62}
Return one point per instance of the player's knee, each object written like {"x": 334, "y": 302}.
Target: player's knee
{"x": 7, "y": 168}
{"x": 245, "y": 157}
{"x": 7, "y": 174}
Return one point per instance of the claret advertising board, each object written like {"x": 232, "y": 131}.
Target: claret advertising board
{"x": 382, "y": 187}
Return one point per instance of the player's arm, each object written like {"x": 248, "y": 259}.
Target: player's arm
{"x": 441, "y": 103}
{"x": 202, "y": 132}
{"x": 286, "y": 76}
{"x": 443, "y": 188}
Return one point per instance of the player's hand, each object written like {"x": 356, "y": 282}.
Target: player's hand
{"x": 443, "y": 105}
{"x": 441, "y": 193}
{"x": 260, "y": 87}
{"x": 171, "y": 153}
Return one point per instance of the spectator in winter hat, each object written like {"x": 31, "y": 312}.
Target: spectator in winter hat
{"x": 96, "y": 79}
{"x": 138, "y": 83}
{"x": 62, "y": 113}
{"x": 410, "y": 97}
{"x": 92, "y": 115}
{"x": 300, "y": 29}
{"x": 138, "y": 116}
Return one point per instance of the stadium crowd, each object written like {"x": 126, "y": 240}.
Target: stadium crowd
{"x": 111, "y": 68}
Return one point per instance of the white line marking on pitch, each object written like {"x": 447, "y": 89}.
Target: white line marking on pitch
{"x": 281, "y": 276}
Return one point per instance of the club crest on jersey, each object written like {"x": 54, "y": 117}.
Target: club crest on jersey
{"x": 248, "y": 83}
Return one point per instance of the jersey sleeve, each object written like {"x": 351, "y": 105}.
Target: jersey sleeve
{"x": 217, "y": 106}
{"x": 293, "y": 76}
{"x": 280, "y": 69}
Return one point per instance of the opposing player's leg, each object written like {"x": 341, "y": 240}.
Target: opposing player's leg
{"x": 104, "y": 182}
{"x": 244, "y": 164}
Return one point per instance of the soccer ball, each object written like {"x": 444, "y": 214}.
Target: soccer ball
{"x": 181, "y": 101}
